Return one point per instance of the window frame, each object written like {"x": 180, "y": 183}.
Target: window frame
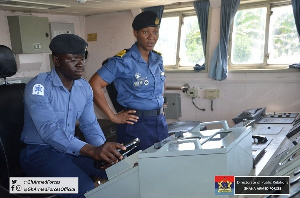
{"x": 181, "y": 15}
{"x": 264, "y": 65}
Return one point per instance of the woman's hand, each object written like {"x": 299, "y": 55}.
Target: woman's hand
{"x": 123, "y": 117}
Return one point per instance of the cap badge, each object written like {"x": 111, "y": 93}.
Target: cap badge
{"x": 156, "y": 21}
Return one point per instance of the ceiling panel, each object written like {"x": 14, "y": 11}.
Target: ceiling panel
{"x": 92, "y": 7}
{"x": 72, "y": 7}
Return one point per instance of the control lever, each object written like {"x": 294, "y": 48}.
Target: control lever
{"x": 129, "y": 147}
{"x": 259, "y": 139}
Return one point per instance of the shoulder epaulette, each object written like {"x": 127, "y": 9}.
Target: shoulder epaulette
{"x": 122, "y": 53}
{"x": 156, "y": 52}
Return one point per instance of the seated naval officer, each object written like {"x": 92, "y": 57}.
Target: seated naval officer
{"x": 139, "y": 77}
{"x": 54, "y": 101}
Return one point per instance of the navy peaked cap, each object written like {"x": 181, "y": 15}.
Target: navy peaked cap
{"x": 68, "y": 44}
{"x": 145, "y": 19}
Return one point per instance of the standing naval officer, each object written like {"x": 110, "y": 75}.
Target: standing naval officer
{"x": 54, "y": 101}
{"x": 139, "y": 77}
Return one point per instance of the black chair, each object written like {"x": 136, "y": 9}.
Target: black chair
{"x": 112, "y": 93}
{"x": 11, "y": 120}
{"x": 11, "y": 124}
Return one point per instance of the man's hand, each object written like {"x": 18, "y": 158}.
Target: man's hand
{"x": 107, "y": 152}
{"x": 123, "y": 117}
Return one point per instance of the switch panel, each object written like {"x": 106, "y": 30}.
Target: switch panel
{"x": 212, "y": 93}
{"x": 61, "y": 28}
{"x": 29, "y": 34}
{"x": 173, "y": 110}
{"x": 192, "y": 92}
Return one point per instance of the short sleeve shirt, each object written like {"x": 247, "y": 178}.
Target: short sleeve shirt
{"x": 140, "y": 85}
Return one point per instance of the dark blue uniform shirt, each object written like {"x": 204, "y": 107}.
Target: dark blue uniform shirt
{"x": 140, "y": 85}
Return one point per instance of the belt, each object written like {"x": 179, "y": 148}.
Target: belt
{"x": 154, "y": 112}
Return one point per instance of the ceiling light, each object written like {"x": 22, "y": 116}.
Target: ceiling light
{"x": 31, "y": 4}
{"x": 80, "y": 1}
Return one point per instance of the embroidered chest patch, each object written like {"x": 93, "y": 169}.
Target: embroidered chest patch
{"x": 140, "y": 81}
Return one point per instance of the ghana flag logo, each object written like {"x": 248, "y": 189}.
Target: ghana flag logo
{"x": 224, "y": 185}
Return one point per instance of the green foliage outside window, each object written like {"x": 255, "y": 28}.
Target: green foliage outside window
{"x": 193, "y": 43}
{"x": 249, "y": 34}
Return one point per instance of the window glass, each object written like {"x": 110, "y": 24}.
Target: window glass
{"x": 180, "y": 41}
{"x": 191, "y": 50}
{"x": 284, "y": 45}
{"x": 264, "y": 37}
{"x": 248, "y": 37}
{"x": 167, "y": 42}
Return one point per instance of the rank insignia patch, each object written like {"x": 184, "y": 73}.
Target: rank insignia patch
{"x": 38, "y": 89}
{"x": 121, "y": 53}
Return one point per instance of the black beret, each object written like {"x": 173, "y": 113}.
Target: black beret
{"x": 145, "y": 19}
{"x": 68, "y": 44}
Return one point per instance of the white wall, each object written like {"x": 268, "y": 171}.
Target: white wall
{"x": 279, "y": 92}
{"x": 41, "y": 60}
{"x": 114, "y": 33}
